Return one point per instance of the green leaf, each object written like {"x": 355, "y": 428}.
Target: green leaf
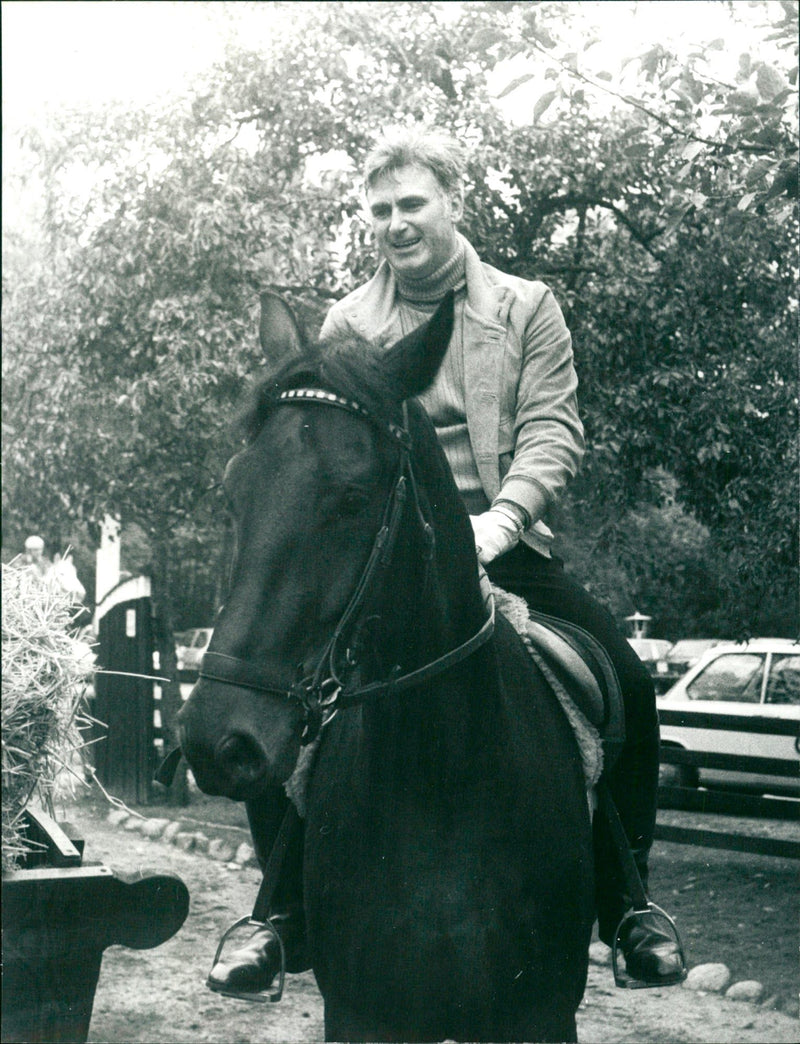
{"x": 543, "y": 36}
{"x": 543, "y": 104}
{"x": 692, "y": 150}
{"x": 769, "y": 81}
{"x": 675, "y": 219}
{"x": 518, "y": 81}
{"x": 484, "y": 39}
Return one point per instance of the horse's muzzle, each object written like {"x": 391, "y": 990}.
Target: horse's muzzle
{"x": 230, "y": 764}
{"x": 235, "y": 768}
{"x": 240, "y": 761}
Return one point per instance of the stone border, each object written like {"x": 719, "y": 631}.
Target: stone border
{"x": 703, "y": 978}
{"x": 708, "y": 978}
{"x": 182, "y": 836}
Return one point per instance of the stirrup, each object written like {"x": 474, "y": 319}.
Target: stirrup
{"x": 626, "y": 981}
{"x": 260, "y": 996}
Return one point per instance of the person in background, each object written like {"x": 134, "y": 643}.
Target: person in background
{"x": 505, "y": 410}
{"x": 34, "y": 557}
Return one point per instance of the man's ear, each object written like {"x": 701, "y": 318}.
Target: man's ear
{"x": 457, "y": 204}
{"x": 278, "y": 330}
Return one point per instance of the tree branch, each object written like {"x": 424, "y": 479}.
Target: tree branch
{"x": 682, "y": 132}
{"x": 579, "y": 201}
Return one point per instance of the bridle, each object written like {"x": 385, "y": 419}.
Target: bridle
{"x": 323, "y": 692}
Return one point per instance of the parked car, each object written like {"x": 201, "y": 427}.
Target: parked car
{"x": 652, "y": 652}
{"x": 759, "y": 679}
{"x": 679, "y": 658}
{"x": 191, "y": 650}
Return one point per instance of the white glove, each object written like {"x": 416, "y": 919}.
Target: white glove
{"x": 496, "y": 531}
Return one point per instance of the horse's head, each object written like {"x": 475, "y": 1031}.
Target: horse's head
{"x": 333, "y": 546}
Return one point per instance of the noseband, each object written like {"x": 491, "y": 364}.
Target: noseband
{"x": 322, "y": 693}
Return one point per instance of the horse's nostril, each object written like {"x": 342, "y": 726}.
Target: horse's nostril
{"x": 240, "y": 758}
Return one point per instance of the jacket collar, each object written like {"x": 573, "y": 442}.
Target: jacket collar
{"x": 372, "y": 314}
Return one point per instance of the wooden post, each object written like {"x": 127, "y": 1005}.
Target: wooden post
{"x": 125, "y": 753}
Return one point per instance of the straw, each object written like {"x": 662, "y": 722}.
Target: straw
{"x": 45, "y": 678}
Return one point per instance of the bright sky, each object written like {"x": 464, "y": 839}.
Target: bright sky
{"x": 76, "y": 52}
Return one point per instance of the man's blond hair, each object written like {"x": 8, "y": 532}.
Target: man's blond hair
{"x": 423, "y": 147}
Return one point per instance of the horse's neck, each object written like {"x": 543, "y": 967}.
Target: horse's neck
{"x": 446, "y": 731}
{"x": 429, "y": 611}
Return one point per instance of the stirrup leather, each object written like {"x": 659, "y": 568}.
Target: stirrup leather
{"x": 625, "y": 980}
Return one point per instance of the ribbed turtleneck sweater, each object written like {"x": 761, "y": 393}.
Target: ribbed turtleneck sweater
{"x": 444, "y": 400}
{"x": 428, "y": 291}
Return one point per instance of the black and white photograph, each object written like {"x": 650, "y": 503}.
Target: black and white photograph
{"x": 400, "y": 492}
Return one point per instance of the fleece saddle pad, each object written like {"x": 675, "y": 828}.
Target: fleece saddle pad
{"x": 582, "y": 675}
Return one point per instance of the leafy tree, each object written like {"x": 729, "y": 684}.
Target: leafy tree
{"x": 659, "y": 202}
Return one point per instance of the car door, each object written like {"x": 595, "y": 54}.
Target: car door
{"x": 730, "y": 684}
{"x": 782, "y": 701}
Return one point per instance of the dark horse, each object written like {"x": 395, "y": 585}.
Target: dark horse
{"x": 448, "y": 873}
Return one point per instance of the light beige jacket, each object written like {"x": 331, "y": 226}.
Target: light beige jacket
{"x": 519, "y": 379}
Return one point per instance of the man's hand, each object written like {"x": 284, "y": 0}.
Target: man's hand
{"x": 496, "y": 531}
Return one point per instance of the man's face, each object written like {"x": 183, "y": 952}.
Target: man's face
{"x": 413, "y": 219}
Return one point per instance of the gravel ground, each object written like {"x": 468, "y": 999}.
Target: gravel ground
{"x": 159, "y": 995}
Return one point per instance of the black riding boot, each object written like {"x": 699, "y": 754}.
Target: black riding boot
{"x": 651, "y": 954}
{"x": 251, "y": 967}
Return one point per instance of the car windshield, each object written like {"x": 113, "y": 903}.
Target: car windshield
{"x": 733, "y": 677}
{"x": 783, "y": 684}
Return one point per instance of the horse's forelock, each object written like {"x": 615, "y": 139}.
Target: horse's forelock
{"x": 264, "y": 395}
{"x": 352, "y": 367}
{"x": 348, "y": 366}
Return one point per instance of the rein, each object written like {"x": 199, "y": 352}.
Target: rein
{"x": 323, "y": 693}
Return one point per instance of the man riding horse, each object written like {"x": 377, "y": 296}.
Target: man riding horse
{"x": 505, "y": 410}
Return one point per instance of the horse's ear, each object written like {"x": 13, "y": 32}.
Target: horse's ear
{"x": 414, "y": 361}
{"x": 278, "y": 330}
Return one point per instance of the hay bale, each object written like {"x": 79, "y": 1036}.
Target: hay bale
{"x": 45, "y": 677}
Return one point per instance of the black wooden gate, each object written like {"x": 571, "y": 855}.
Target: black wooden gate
{"x": 728, "y": 802}
{"x": 124, "y": 754}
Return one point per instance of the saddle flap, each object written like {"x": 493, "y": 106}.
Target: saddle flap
{"x": 572, "y": 670}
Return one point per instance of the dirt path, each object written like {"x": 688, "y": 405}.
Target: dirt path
{"x": 152, "y": 996}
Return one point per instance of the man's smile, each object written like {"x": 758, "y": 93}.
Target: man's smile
{"x": 414, "y": 220}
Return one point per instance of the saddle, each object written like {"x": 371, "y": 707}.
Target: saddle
{"x": 580, "y": 672}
